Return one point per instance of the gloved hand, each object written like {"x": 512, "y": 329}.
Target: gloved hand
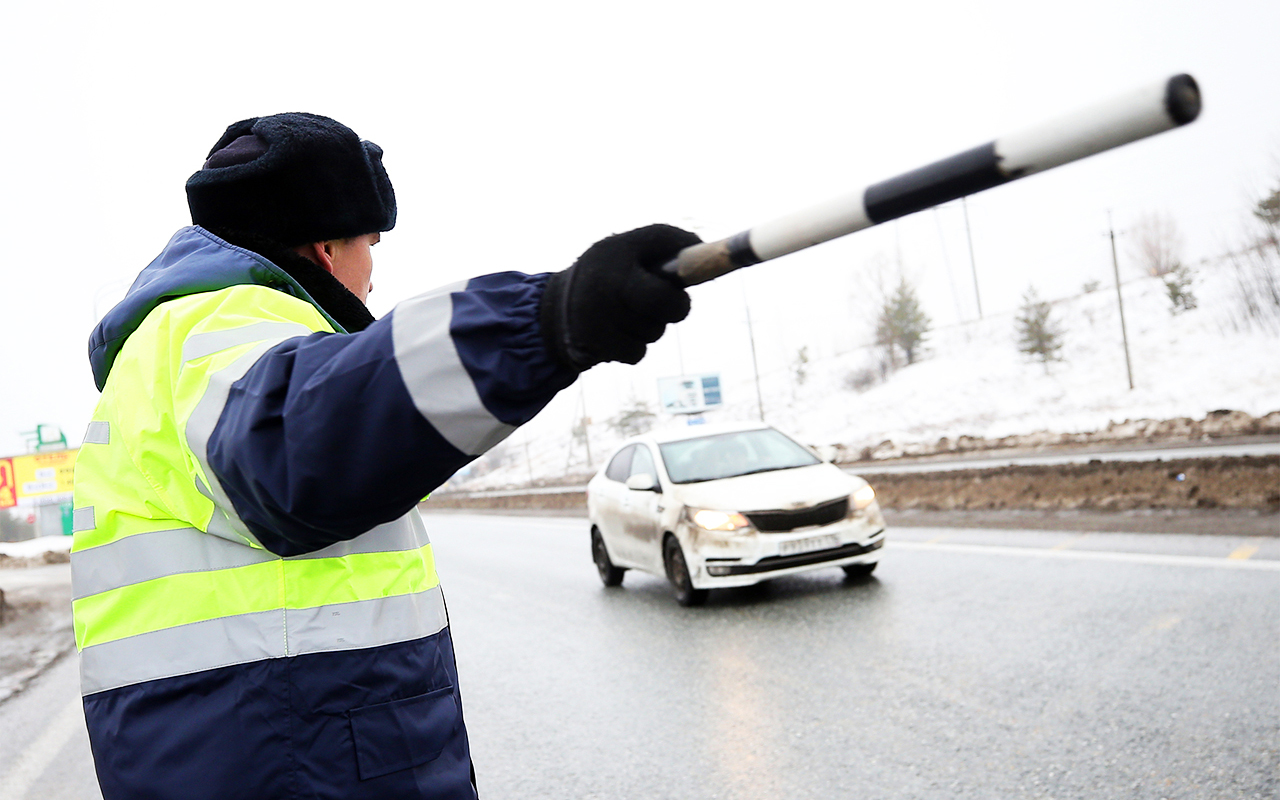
{"x": 613, "y": 302}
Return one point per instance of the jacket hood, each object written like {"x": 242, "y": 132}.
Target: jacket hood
{"x": 193, "y": 261}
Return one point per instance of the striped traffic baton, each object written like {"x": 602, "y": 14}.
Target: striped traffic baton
{"x": 1153, "y": 109}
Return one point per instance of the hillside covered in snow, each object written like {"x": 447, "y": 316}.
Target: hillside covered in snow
{"x": 971, "y": 380}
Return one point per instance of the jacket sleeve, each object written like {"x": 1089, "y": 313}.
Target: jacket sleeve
{"x": 328, "y": 435}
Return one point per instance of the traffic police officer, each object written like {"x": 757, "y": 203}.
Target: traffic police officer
{"x": 256, "y": 604}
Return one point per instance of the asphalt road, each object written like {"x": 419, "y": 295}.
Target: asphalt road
{"x": 976, "y": 664}
{"x": 44, "y": 749}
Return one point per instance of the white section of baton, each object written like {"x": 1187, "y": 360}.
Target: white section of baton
{"x": 1120, "y": 120}
{"x": 813, "y": 225}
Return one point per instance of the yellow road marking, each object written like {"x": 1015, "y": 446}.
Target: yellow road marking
{"x": 1243, "y": 552}
{"x": 1214, "y": 562}
{"x": 1070, "y": 542}
{"x": 937, "y": 539}
{"x": 1166, "y": 622}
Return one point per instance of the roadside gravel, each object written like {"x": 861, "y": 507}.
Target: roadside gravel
{"x": 36, "y": 629}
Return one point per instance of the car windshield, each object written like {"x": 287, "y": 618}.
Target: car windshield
{"x": 727, "y": 455}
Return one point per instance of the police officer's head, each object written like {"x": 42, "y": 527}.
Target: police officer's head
{"x": 303, "y": 181}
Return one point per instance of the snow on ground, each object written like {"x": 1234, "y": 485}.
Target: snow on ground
{"x": 36, "y": 547}
{"x": 972, "y": 380}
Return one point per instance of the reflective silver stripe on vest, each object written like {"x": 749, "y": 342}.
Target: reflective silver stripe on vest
{"x": 200, "y": 427}
{"x": 182, "y": 650}
{"x": 99, "y": 432}
{"x": 82, "y": 519}
{"x": 433, "y": 373}
{"x": 366, "y": 623}
{"x": 147, "y": 556}
{"x": 157, "y": 554}
{"x": 405, "y": 533}
{"x": 206, "y": 344}
{"x": 253, "y": 637}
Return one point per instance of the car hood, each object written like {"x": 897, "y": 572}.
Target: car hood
{"x": 764, "y": 491}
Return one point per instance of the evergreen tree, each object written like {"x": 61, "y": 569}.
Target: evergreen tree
{"x": 800, "y": 367}
{"x": 1039, "y": 336}
{"x": 1177, "y": 285}
{"x": 1268, "y": 209}
{"x": 902, "y": 324}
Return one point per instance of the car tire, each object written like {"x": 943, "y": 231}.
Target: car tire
{"x": 678, "y": 574}
{"x": 609, "y": 574}
{"x": 859, "y": 571}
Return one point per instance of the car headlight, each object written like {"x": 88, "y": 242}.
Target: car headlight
{"x": 711, "y": 520}
{"x": 864, "y": 497}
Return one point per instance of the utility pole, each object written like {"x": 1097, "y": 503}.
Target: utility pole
{"x": 586, "y": 421}
{"x": 528, "y": 460}
{"x": 679, "y": 349}
{"x": 973, "y": 265}
{"x": 946, "y": 262}
{"x": 1124, "y": 333}
{"x": 755, "y": 368}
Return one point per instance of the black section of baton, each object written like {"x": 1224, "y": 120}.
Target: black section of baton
{"x": 949, "y": 179}
{"x": 1182, "y": 98}
{"x": 740, "y": 252}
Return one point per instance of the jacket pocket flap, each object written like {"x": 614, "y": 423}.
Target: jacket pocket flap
{"x": 403, "y": 733}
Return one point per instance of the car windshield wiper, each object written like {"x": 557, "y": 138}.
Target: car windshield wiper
{"x": 763, "y": 469}
{"x": 740, "y": 474}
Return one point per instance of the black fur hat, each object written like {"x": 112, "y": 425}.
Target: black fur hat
{"x": 294, "y": 178}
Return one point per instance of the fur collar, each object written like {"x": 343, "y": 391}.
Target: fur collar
{"x": 336, "y": 300}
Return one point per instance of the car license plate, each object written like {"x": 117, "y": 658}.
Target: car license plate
{"x": 797, "y": 546}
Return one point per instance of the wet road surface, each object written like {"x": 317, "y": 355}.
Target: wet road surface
{"x": 958, "y": 671}
{"x": 975, "y": 664}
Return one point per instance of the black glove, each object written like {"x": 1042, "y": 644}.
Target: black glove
{"x": 613, "y": 301}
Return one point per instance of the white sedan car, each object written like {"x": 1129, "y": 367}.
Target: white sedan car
{"x": 728, "y": 506}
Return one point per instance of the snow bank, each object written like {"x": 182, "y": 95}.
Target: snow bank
{"x": 972, "y": 381}
{"x": 36, "y": 547}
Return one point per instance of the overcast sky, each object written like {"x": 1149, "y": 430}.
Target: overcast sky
{"x": 516, "y": 134}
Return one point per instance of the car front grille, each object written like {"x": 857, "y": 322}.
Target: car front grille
{"x": 805, "y": 559}
{"x": 782, "y": 521}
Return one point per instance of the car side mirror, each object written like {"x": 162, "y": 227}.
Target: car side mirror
{"x": 644, "y": 482}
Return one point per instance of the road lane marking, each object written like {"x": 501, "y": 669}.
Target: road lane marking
{"x": 1092, "y": 555}
{"x": 1069, "y": 543}
{"x": 32, "y": 762}
{"x": 1243, "y": 552}
{"x": 939, "y": 538}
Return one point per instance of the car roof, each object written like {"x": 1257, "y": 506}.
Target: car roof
{"x": 698, "y": 431}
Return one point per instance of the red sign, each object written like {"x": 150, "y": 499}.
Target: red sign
{"x": 8, "y": 484}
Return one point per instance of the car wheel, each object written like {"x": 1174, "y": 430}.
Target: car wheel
{"x": 609, "y": 574}
{"x": 859, "y": 570}
{"x": 678, "y": 573}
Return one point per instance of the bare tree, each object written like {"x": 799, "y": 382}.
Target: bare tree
{"x": 633, "y": 419}
{"x": 1156, "y": 244}
{"x": 1257, "y": 270}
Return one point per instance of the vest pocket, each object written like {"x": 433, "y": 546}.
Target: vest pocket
{"x": 403, "y": 733}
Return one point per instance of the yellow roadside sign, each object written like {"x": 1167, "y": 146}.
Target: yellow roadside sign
{"x": 8, "y": 486}
{"x": 43, "y": 478}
